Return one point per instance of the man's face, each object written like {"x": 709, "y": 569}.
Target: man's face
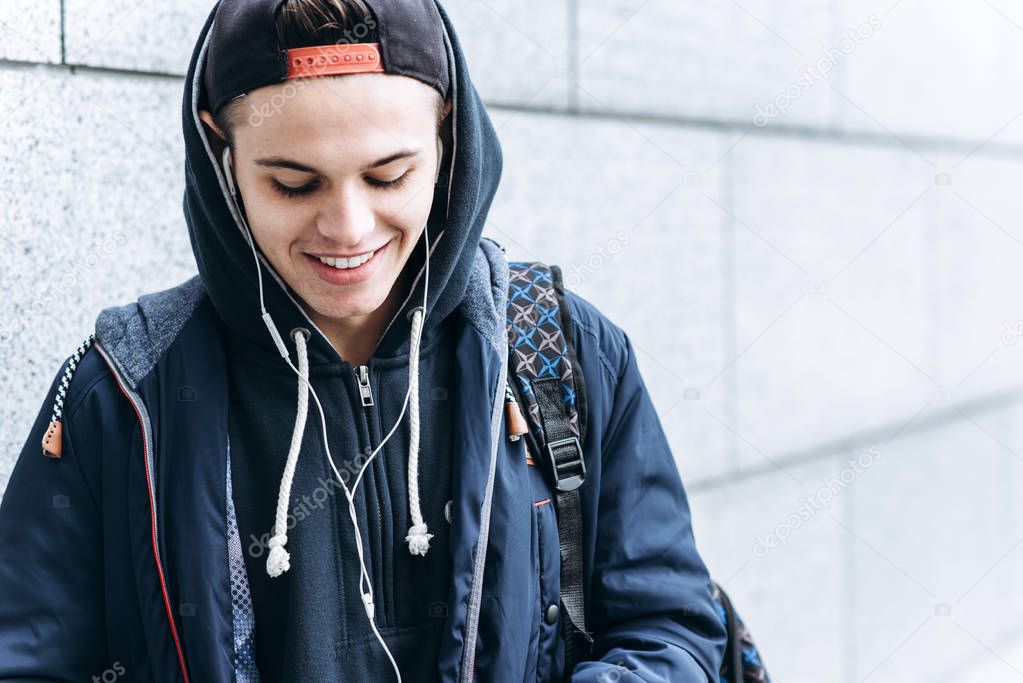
{"x": 340, "y": 169}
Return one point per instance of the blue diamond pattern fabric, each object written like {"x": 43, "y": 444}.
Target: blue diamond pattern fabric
{"x": 243, "y": 617}
{"x": 536, "y": 339}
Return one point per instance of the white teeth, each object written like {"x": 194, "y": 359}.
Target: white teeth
{"x": 346, "y": 263}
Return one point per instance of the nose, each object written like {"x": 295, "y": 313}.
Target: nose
{"x": 347, "y": 216}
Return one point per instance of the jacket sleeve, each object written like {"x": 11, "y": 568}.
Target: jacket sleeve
{"x": 51, "y": 610}
{"x": 649, "y": 604}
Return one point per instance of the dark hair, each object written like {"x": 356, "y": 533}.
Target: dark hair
{"x": 305, "y": 23}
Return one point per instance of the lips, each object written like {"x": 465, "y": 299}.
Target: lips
{"x": 350, "y": 275}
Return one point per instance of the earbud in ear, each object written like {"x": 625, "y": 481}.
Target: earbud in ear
{"x": 228, "y": 172}
{"x": 440, "y": 158}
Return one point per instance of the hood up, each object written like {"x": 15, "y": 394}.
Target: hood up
{"x": 236, "y": 285}
{"x": 461, "y": 201}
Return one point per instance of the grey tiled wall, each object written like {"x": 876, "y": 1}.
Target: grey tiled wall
{"x": 839, "y": 281}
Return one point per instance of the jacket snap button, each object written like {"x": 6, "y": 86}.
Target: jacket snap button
{"x": 552, "y": 614}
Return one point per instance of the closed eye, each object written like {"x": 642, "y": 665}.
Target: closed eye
{"x": 395, "y": 184}
{"x": 289, "y": 191}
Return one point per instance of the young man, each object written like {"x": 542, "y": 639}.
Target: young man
{"x": 340, "y": 166}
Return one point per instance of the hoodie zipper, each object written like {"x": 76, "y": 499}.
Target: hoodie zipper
{"x": 366, "y": 398}
{"x": 365, "y": 390}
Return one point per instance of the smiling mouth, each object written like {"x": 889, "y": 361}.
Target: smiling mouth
{"x": 348, "y": 270}
{"x": 342, "y": 263}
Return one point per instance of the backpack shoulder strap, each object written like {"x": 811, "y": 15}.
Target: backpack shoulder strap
{"x": 545, "y": 380}
{"x": 742, "y": 663}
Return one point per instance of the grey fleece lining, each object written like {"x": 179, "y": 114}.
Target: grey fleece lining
{"x": 488, "y": 317}
{"x": 137, "y": 334}
{"x": 145, "y": 424}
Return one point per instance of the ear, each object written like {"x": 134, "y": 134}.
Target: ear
{"x": 218, "y": 141}
{"x": 207, "y": 118}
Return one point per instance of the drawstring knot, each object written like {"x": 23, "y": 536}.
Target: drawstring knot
{"x": 418, "y": 540}
{"x": 279, "y": 560}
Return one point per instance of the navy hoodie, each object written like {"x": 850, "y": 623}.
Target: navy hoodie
{"x": 309, "y": 623}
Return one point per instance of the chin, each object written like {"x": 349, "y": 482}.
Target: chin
{"x": 344, "y": 307}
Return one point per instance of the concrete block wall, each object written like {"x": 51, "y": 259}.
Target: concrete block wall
{"x": 803, "y": 214}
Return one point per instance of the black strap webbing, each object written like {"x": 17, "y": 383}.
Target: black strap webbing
{"x": 565, "y": 460}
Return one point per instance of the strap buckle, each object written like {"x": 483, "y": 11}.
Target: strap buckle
{"x": 566, "y": 459}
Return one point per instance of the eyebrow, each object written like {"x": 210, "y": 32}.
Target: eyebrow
{"x": 282, "y": 162}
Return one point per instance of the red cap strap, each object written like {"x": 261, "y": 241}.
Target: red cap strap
{"x": 330, "y": 60}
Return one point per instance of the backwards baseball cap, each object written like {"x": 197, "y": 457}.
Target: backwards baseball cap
{"x": 243, "y": 53}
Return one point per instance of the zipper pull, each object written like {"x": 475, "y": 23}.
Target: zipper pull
{"x": 365, "y": 391}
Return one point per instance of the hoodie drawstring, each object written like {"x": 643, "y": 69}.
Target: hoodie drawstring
{"x": 278, "y": 561}
{"x": 418, "y": 539}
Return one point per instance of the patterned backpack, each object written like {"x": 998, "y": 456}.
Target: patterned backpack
{"x": 553, "y": 397}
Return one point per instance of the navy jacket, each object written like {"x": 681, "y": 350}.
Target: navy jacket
{"x": 123, "y": 558}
